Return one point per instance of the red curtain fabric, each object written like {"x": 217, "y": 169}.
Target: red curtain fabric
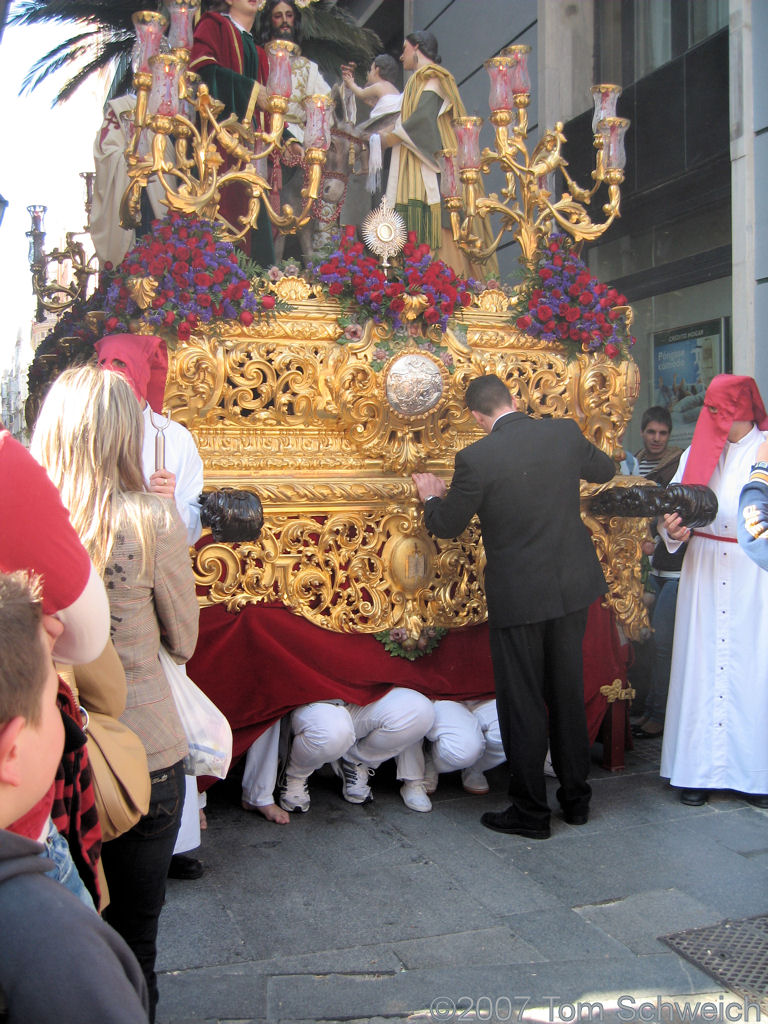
{"x": 261, "y": 663}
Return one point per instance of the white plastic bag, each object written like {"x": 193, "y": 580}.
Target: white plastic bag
{"x": 208, "y": 732}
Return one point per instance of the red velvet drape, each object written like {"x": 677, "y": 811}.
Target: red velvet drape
{"x": 262, "y": 662}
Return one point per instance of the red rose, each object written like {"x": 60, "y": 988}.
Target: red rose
{"x": 246, "y": 318}
{"x": 611, "y": 350}
{"x": 268, "y": 302}
{"x": 572, "y": 314}
{"x": 544, "y": 312}
{"x": 545, "y": 273}
{"x": 111, "y": 323}
{"x": 336, "y": 288}
{"x": 465, "y": 298}
{"x": 524, "y": 322}
{"x": 397, "y": 305}
{"x": 586, "y": 298}
{"x": 203, "y": 280}
{"x": 204, "y": 300}
{"x": 431, "y": 315}
{"x": 184, "y": 331}
{"x": 170, "y": 316}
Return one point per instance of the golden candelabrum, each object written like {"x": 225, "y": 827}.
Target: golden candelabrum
{"x": 528, "y": 205}
{"x": 178, "y": 136}
{"x": 77, "y": 268}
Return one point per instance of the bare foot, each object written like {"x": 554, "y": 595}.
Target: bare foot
{"x": 269, "y": 811}
{"x": 203, "y": 820}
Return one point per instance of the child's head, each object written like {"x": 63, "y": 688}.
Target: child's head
{"x": 384, "y": 68}
{"x": 31, "y": 729}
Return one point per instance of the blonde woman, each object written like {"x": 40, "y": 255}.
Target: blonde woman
{"x": 89, "y": 437}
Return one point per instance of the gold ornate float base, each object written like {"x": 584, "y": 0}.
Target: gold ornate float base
{"x": 327, "y": 430}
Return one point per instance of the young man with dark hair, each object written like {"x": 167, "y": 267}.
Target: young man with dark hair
{"x": 59, "y": 962}
{"x": 656, "y": 459}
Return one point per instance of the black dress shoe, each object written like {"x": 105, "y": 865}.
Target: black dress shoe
{"x": 184, "y": 867}
{"x": 509, "y": 822}
{"x": 757, "y": 799}
{"x": 694, "y": 797}
{"x": 576, "y": 818}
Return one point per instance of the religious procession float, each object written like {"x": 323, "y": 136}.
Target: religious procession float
{"x": 321, "y": 388}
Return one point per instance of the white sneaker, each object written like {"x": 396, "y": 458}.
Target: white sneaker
{"x": 415, "y": 797}
{"x": 474, "y": 782}
{"x": 354, "y": 780}
{"x": 430, "y": 773}
{"x": 294, "y": 794}
{"x": 548, "y": 769}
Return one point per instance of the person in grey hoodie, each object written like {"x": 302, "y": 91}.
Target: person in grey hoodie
{"x": 59, "y": 962}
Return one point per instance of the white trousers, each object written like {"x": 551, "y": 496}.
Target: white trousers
{"x": 323, "y": 732}
{"x": 260, "y": 775}
{"x": 188, "y": 837}
{"x": 462, "y": 736}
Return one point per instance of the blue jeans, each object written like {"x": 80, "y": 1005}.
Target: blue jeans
{"x": 136, "y": 867}
{"x": 64, "y": 870}
{"x": 663, "y": 622}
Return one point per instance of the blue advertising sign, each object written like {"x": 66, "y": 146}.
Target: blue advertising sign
{"x": 683, "y": 362}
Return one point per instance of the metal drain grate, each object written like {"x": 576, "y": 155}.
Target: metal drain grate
{"x": 735, "y": 953}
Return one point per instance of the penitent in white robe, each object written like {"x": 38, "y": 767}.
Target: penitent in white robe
{"x": 716, "y": 726}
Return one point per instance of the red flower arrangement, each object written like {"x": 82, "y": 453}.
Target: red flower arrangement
{"x": 187, "y": 276}
{"x": 563, "y": 302}
{"x": 368, "y": 293}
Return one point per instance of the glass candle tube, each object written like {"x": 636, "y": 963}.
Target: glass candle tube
{"x": 182, "y": 15}
{"x": 613, "y": 130}
{"x": 149, "y": 26}
{"x": 500, "y": 71}
{"x": 605, "y": 98}
{"x": 317, "y": 130}
{"x": 166, "y": 75}
{"x": 449, "y": 175}
{"x": 279, "y": 82}
{"x": 521, "y": 80}
{"x": 468, "y": 142}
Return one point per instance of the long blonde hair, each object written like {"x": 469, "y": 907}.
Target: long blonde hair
{"x": 88, "y": 437}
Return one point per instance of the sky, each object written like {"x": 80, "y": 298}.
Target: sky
{"x": 42, "y": 151}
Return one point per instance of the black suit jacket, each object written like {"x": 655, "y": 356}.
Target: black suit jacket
{"x": 522, "y": 480}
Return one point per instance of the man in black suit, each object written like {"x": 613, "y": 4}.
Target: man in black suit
{"x": 542, "y": 574}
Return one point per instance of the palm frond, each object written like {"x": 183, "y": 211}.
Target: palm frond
{"x": 331, "y": 37}
{"x": 105, "y": 13}
{"x": 110, "y": 52}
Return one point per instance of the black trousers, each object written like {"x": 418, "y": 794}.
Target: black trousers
{"x": 136, "y": 867}
{"x": 539, "y": 695}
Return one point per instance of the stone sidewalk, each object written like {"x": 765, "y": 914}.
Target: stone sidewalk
{"x": 378, "y": 913}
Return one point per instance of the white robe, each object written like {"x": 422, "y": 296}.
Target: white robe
{"x": 183, "y": 460}
{"x": 716, "y": 726}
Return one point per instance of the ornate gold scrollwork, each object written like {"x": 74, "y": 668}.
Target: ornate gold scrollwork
{"x": 328, "y": 433}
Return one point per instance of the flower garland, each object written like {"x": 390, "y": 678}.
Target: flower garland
{"x": 181, "y": 275}
{"x": 563, "y": 302}
{"x": 366, "y": 292}
{"x": 400, "y": 645}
